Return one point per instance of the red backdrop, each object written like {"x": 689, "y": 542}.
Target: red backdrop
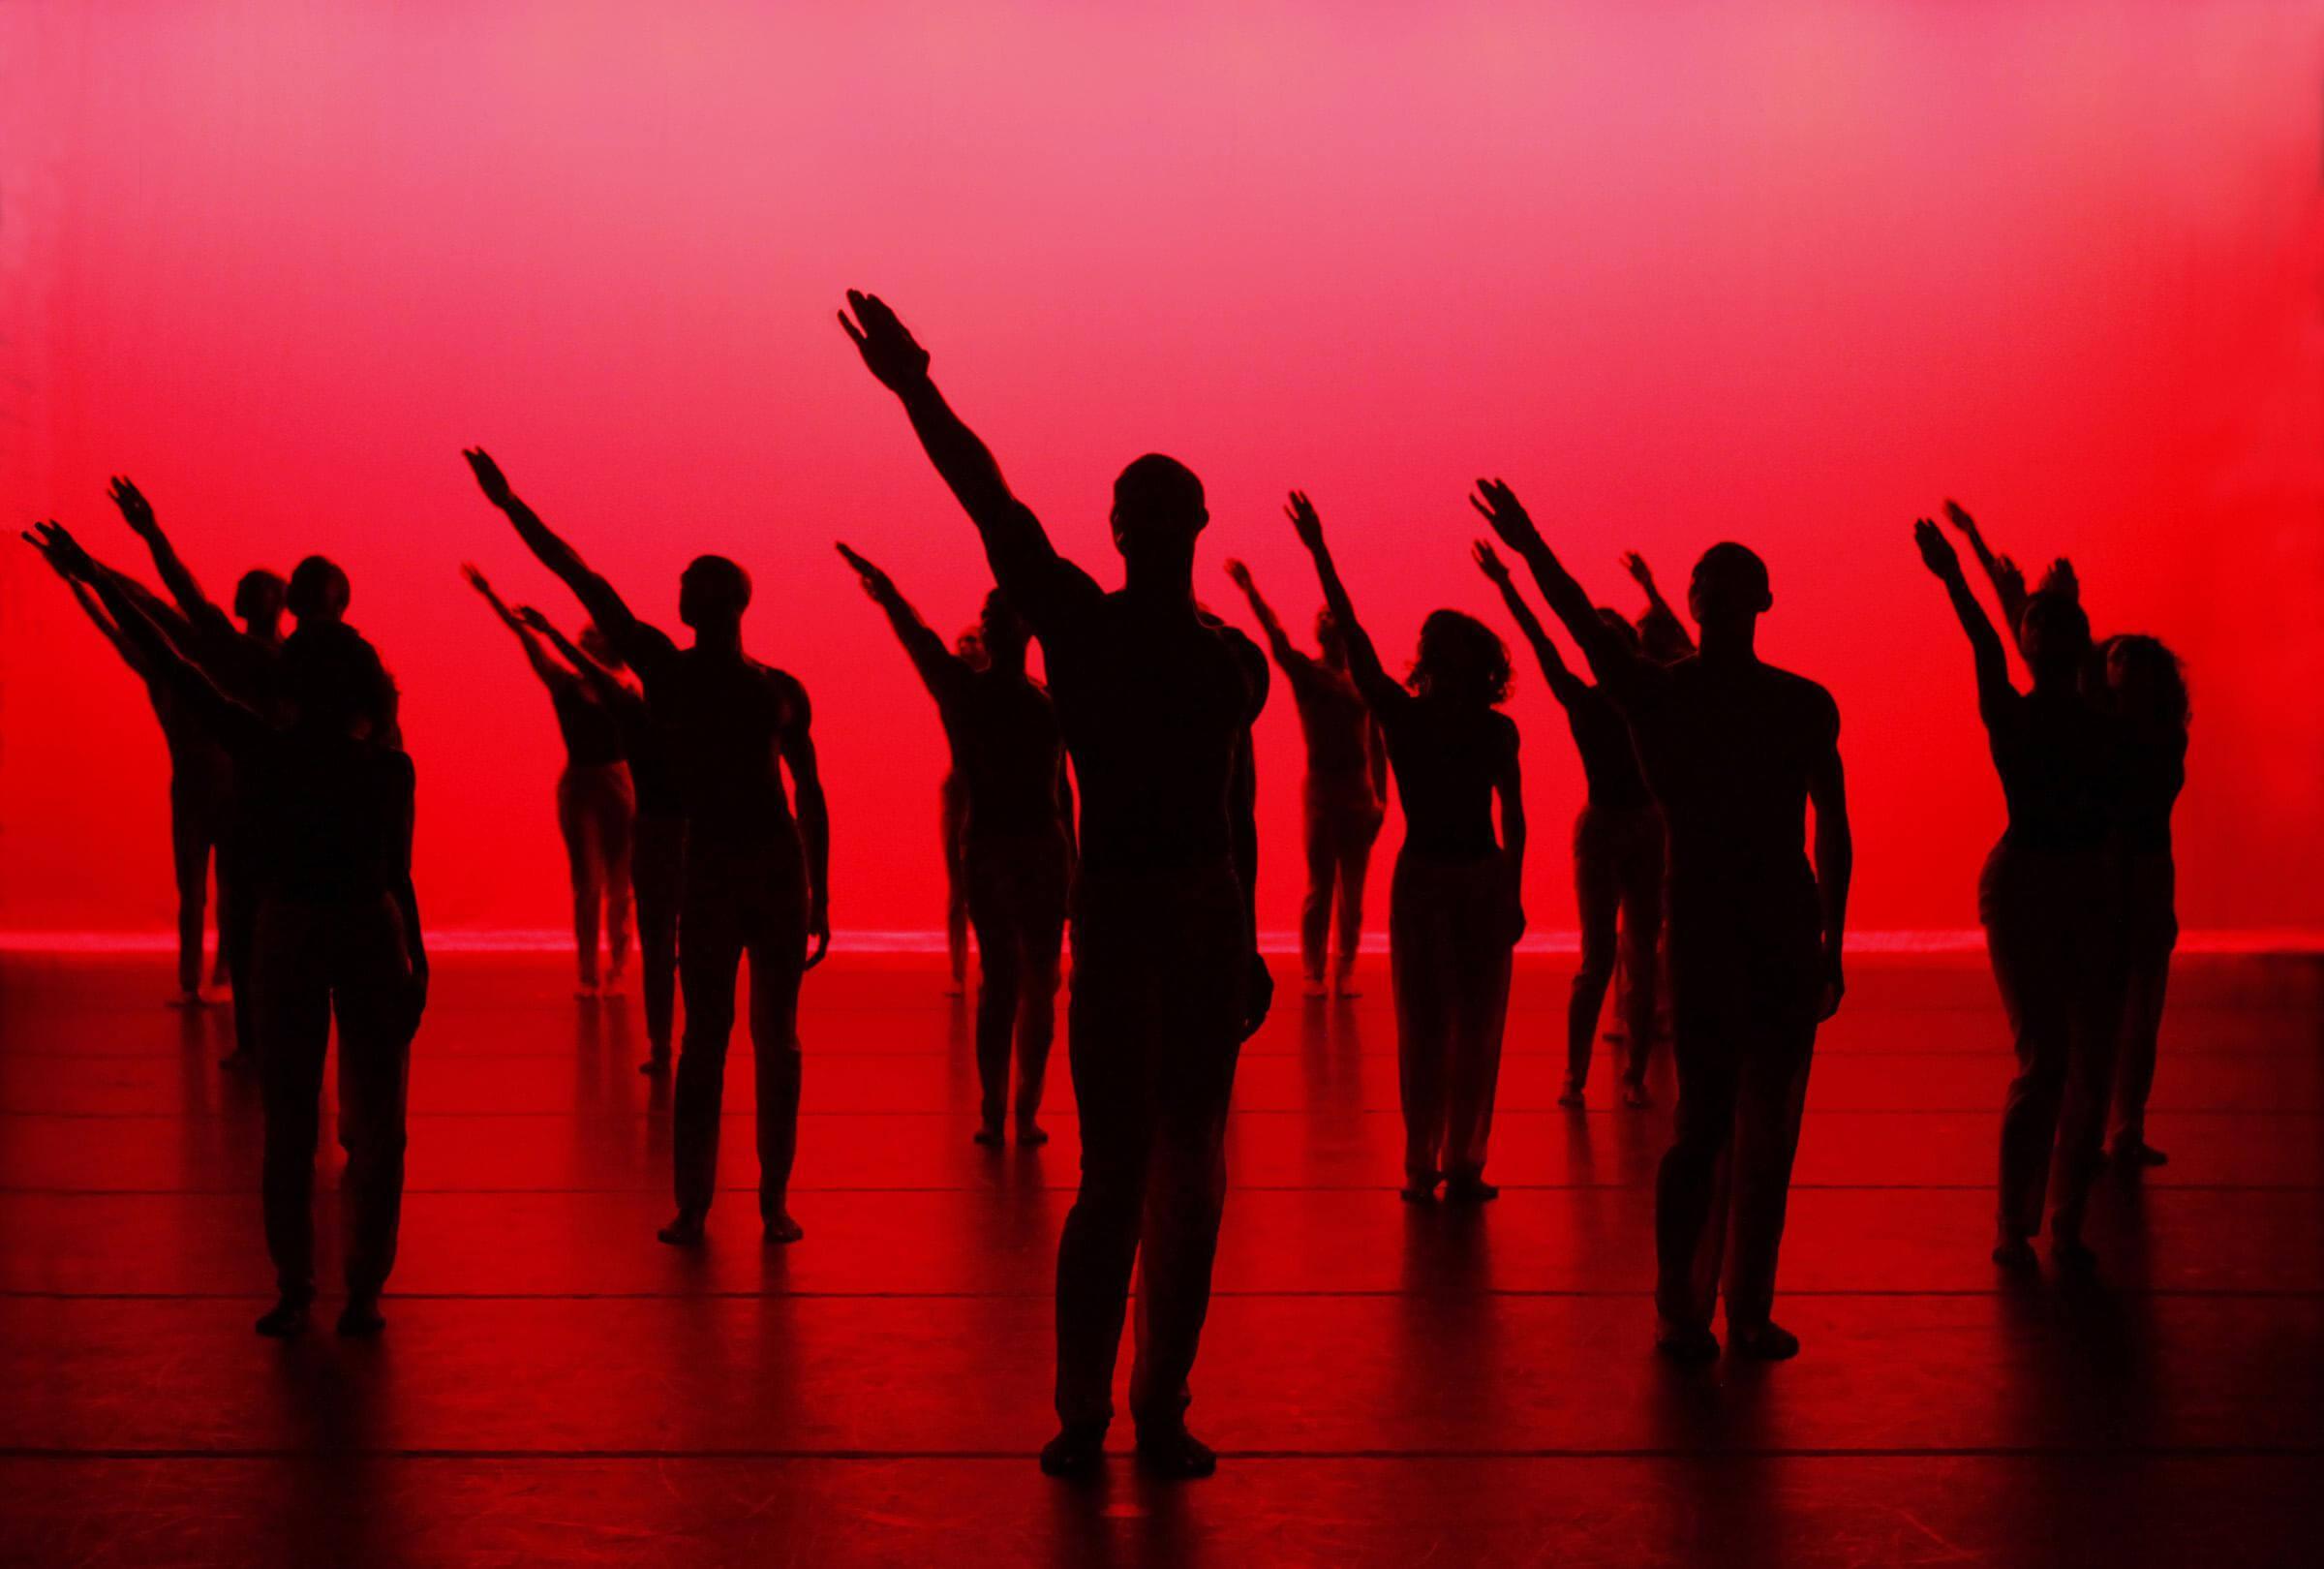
{"x": 1790, "y": 274}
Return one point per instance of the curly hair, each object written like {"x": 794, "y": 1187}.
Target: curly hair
{"x": 1460, "y": 657}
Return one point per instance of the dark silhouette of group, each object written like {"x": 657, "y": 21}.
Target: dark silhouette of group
{"x": 690, "y": 777}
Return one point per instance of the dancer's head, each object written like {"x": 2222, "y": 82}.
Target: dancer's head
{"x": 258, "y": 601}
{"x": 1728, "y": 592}
{"x": 1661, "y": 637}
{"x": 1614, "y": 622}
{"x": 1004, "y": 633}
{"x": 712, "y": 593}
{"x": 1329, "y": 640}
{"x": 317, "y": 593}
{"x": 2054, "y": 635}
{"x": 1157, "y": 510}
{"x": 970, "y": 646}
{"x": 1460, "y": 658}
{"x": 600, "y": 647}
{"x": 335, "y": 684}
{"x": 2145, "y": 682}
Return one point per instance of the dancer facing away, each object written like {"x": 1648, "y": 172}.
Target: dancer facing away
{"x": 337, "y": 932}
{"x": 1345, "y": 794}
{"x": 240, "y": 662}
{"x": 1734, "y": 752}
{"x": 1617, "y": 855}
{"x": 1008, "y": 753}
{"x": 596, "y": 801}
{"x": 1455, "y": 911}
{"x": 755, "y": 876}
{"x": 2049, "y": 904}
{"x": 1155, "y": 705}
{"x": 952, "y": 824}
{"x": 656, "y": 834}
{"x": 200, "y": 775}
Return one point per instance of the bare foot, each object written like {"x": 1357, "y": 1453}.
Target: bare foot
{"x": 686, "y": 1231}
{"x": 781, "y": 1228}
{"x": 1030, "y": 1134}
{"x": 1764, "y": 1342}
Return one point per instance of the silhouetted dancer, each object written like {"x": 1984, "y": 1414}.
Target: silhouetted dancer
{"x": 656, "y": 834}
{"x": 595, "y": 803}
{"x": 755, "y": 876}
{"x": 200, "y": 777}
{"x": 2049, "y": 903}
{"x": 1155, "y": 705}
{"x": 1733, "y": 750}
{"x": 952, "y": 824}
{"x": 1661, "y": 634}
{"x": 2147, "y": 692}
{"x": 1455, "y": 911}
{"x": 1617, "y": 855}
{"x": 240, "y": 662}
{"x": 337, "y": 932}
{"x": 1345, "y": 794}
{"x": 1010, "y": 755}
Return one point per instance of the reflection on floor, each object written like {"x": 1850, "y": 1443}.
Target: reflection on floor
{"x": 1389, "y": 1385}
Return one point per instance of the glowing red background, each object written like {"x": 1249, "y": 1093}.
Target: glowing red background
{"x": 1788, "y": 273}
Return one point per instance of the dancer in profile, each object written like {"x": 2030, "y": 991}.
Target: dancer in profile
{"x": 200, "y": 774}
{"x": 241, "y": 662}
{"x": 2146, "y": 690}
{"x": 1345, "y": 794}
{"x": 952, "y": 824}
{"x": 338, "y": 931}
{"x": 1734, "y": 752}
{"x": 1617, "y": 855}
{"x": 755, "y": 876}
{"x": 656, "y": 834}
{"x": 1009, "y": 753}
{"x": 595, "y": 802}
{"x": 2049, "y": 904}
{"x": 1155, "y": 704}
{"x": 1455, "y": 911}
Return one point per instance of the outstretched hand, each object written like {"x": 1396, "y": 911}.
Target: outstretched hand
{"x": 532, "y": 618}
{"x": 475, "y": 577}
{"x": 1488, "y": 561}
{"x": 1304, "y": 520}
{"x": 1936, "y": 552}
{"x": 2009, "y": 578}
{"x": 1958, "y": 516}
{"x": 1498, "y": 504}
{"x": 1639, "y": 572}
{"x": 63, "y": 551}
{"x": 1238, "y": 574}
{"x": 876, "y": 583}
{"x": 890, "y": 350}
{"x": 2060, "y": 579}
{"x": 489, "y": 478}
{"x": 136, "y": 511}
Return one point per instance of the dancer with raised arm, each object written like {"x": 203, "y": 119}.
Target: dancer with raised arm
{"x": 656, "y": 834}
{"x": 1734, "y": 752}
{"x": 1345, "y": 794}
{"x": 596, "y": 801}
{"x": 2050, "y": 906}
{"x": 1455, "y": 911}
{"x": 1662, "y": 635}
{"x": 240, "y": 662}
{"x": 756, "y": 874}
{"x": 1617, "y": 856}
{"x": 1155, "y": 704}
{"x": 337, "y": 931}
{"x": 200, "y": 776}
{"x": 1009, "y": 753}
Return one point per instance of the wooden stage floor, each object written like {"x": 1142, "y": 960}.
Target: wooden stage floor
{"x": 1388, "y": 1385}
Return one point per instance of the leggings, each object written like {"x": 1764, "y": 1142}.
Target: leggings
{"x": 2152, "y": 923}
{"x": 1341, "y": 822}
{"x": 196, "y": 821}
{"x": 656, "y": 873}
{"x": 1449, "y": 939}
{"x": 1017, "y": 899}
{"x": 1617, "y": 890}
{"x": 595, "y": 809}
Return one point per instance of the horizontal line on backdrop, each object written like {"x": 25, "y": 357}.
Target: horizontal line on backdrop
{"x": 321, "y": 1454}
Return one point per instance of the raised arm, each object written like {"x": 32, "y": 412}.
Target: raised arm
{"x": 814, "y": 822}
{"x": 940, "y": 668}
{"x": 1278, "y": 643}
{"x": 2008, "y": 582}
{"x": 553, "y": 675}
{"x": 1985, "y": 644}
{"x": 1618, "y": 668}
{"x": 1835, "y": 860}
{"x": 1024, "y": 563}
{"x": 606, "y": 684}
{"x": 130, "y": 653}
{"x": 137, "y": 512}
{"x": 1382, "y": 692}
{"x": 1567, "y": 686}
{"x": 1659, "y": 607}
{"x": 633, "y": 636}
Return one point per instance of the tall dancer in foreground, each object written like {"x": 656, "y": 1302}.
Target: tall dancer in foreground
{"x": 1345, "y": 793}
{"x": 1617, "y": 856}
{"x": 2050, "y": 905}
{"x": 1734, "y": 752}
{"x": 1018, "y": 839}
{"x": 1455, "y": 911}
{"x": 755, "y": 874}
{"x": 1154, "y": 704}
{"x": 595, "y": 803}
